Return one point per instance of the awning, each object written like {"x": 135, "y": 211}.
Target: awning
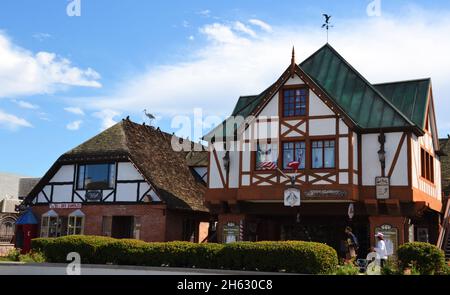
{"x": 27, "y": 218}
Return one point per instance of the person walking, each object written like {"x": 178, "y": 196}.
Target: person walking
{"x": 351, "y": 244}
{"x": 381, "y": 248}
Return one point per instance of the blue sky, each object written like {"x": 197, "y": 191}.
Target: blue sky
{"x": 63, "y": 79}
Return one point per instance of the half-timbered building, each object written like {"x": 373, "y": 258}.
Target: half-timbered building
{"x": 323, "y": 148}
{"x": 126, "y": 182}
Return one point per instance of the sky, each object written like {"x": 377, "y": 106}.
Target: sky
{"x": 69, "y": 71}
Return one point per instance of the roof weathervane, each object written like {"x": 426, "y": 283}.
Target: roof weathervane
{"x": 327, "y": 24}
{"x": 149, "y": 116}
{"x": 293, "y": 62}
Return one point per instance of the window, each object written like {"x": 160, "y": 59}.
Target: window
{"x": 427, "y": 165}
{"x": 96, "y": 176}
{"x": 294, "y": 151}
{"x": 52, "y": 225}
{"x": 267, "y": 156}
{"x": 323, "y": 154}
{"x": 75, "y": 225}
{"x": 294, "y": 102}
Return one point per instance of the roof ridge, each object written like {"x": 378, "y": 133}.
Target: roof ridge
{"x": 403, "y": 81}
{"x": 365, "y": 81}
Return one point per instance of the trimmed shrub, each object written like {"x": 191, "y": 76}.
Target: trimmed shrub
{"x": 56, "y": 249}
{"x": 289, "y": 256}
{"x": 426, "y": 258}
{"x": 302, "y": 257}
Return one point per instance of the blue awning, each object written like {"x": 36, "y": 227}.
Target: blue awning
{"x": 27, "y": 218}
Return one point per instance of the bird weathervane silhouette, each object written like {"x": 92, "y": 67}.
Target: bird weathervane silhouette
{"x": 327, "y": 24}
{"x": 150, "y": 117}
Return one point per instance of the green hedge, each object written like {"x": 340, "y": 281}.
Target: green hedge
{"x": 424, "y": 257}
{"x": 56, "y": 250}
{"x": 290, "y": 256}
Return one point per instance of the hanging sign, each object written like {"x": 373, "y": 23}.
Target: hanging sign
{"x": 94, "y": 195}
{"x": 292, "y": 197}
{"x": 382, "y": 187}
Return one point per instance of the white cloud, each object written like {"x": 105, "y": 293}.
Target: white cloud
{"x": 75, "y": 110}
{"x": 238, "y": 26}
{"x": 25, "y": 105}
{"x": 261, "y": 24}
{"x": 12, "y": 122}
{"x": 23, "y": 72}
{"x": 191, "y": 38}
{"x": 231, "y": 64}
{"x": 107, "y": 117}
{"x": 75, "y": 125}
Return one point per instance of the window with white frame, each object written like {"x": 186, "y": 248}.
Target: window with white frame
{"x": 75, "y": 225}
{"x": 50, "y": 225}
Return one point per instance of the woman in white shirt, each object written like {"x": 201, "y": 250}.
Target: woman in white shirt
{"x": 381, "y": 248}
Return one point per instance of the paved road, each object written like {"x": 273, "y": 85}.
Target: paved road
{"x": 60, "y": 269}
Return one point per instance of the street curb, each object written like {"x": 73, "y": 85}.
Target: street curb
{"x": 152, "y": 268}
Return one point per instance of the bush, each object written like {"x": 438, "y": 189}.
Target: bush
{"x": 290, "y": 256}
{"x": 390, "y": 268}
{"x": 348, "y": 269}
{"x": 56, "y": 249}
{"x": 34, "y": 256}
{"x": 427, "y": 259}
{"x": 302, "y": 257}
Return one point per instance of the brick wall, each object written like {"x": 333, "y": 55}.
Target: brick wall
{"x": 151, "y": 217}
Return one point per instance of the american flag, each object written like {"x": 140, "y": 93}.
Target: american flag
{"x": 267, "y": 165}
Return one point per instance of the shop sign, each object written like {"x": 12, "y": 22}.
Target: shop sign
{"x": 382, "y": 187}
{"x": 390, "y": 237}
{"x": 292, "y": 197}
{"x": 324, "y": 193}
{"x": 94, "y": 195}
{"x": 65, "y": 206}
{"x": 231, "y": 232}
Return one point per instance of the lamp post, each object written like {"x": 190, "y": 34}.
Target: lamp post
{"x": 226, "y": 161}
{"x": 382, "y": 153}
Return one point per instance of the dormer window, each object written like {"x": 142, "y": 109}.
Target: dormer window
{"x": 294, "y": 102}
{"x": 96, "y": 176}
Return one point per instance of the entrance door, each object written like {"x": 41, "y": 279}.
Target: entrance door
{"x": 122, "y": 227}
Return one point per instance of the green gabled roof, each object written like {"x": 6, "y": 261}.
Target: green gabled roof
{"x": 410, "y": 97}
{"x": 242, "y": 103}
{"x": 364, "y": 104}
{"x": 244, "y": 107}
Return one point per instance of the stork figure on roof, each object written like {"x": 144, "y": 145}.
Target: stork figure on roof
{"x": 327, "y": 24}
{"x": 149, "y": 116}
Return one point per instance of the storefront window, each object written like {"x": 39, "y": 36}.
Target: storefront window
{"x": 75, "y": 225}
{"x": 50, "y": 225}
